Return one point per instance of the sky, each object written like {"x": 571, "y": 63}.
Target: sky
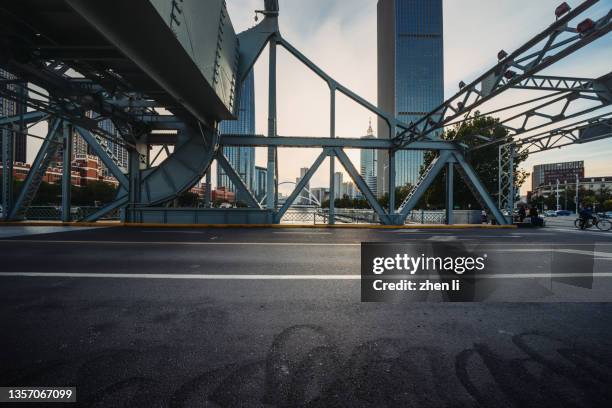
{"x": 340, "y": 37}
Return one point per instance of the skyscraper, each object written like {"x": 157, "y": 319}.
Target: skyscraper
{"x": 241, "y": 158}
{"x": 369, "y": 160}
{"x": 410, "y": 74}
{"x": 304, "y": 197}
{"x": 12, "y": 108}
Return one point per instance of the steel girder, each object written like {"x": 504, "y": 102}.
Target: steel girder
{"x": 302, "y": 184}
{"x": 447, "y": 159}
{"x": 237, "y": 180}
{"x": 385, "y": 218}
{"x": 540, "y": 52}
{"x": 47, "y": 153}
{"x": 7, "y": 155}
{"x": 105, "y": 154}
{"x": 585, "y": 131}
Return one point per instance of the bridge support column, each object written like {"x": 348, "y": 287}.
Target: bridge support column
{"x": 391, "y": 183}
{"x": 271, "y": 187}
{"x": 332, "y": 157}
{"x": 208, "y": 192}
{"x": 450, "y": 176}
{"x": 135, "y": 166}
{"x": 8, "y": 153}
{"x": 67, "y": 172}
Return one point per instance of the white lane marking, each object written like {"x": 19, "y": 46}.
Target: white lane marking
{"x": 301, "y": 233}
{"x": 278, "y": 277}
{"x": 42, "y": 241}
{"x": 178, "y": 276}
{"x": 576, "y": 231}
{"x": 559, "y": 250}
{"x": 174, "y": 232}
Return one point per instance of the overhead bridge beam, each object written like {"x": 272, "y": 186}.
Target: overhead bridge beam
{"x": 322, "y": 142}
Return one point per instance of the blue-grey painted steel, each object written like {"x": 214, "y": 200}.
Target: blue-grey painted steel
{"x": 8, "y": 152}
{"x": 252, "y": 43}
{"x": 181, "y": 170}
{"x": 301, "y": 185}
{"x": 479, "y": 189}
{"x": 271, "y": 187}
{"x": 543, "y": 50}
{"x": 213, "y": 216}
{"x": 362, "y": 185}
{"x": 102, "y": 154}
{"x": 28, "y": 117}
{"x": 392, "y": 179}
{"x": 66, "y": 172}
{"x": 121, "y": 201}
{"x": 321, "y": 142}
{"x": 45, "y": 155}
{"x": 197, "y": 36}
{"x": 450, "y": 203}
{"x": 332, "y": 158}
{"x": 423, "y": 184}
{"x": 393, "y": 122}
{"x": 238, "y": 182}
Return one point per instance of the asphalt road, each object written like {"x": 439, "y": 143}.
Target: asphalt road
{"x": 130, "y": 334}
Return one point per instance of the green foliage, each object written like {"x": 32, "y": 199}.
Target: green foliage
{"x": 51, "y": 194}
{"x": 188, "y": 199}
{"x": 485, "y": 162}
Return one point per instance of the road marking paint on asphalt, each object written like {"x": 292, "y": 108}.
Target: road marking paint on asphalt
{"x": 42, "y": 241}
{"x": 278, "y": 277}
{"x": 300, "y": 233}
{"x": 560, "y": 250}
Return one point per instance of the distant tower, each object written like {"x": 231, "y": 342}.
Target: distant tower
{"x": 410, "y": 74}
{"x": 369, "y": 159}
{"x": 12, "y": 108}
{"x": 241, "y": 158}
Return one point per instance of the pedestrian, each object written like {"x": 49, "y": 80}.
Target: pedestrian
{"x": 522, "y": 213}
{"x": 533, "y": 214}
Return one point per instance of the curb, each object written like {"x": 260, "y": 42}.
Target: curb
{"x": 273, "y": 226}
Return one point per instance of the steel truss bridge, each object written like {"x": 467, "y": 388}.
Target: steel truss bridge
{"x": 166, "y": 72}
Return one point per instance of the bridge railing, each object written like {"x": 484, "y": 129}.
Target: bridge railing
{"x": 54, "y": 213}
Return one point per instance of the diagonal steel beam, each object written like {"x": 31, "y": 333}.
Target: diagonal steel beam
{"x": 361, "y": 184}
{"x": 423, "y": 185}
{"x": 103, "y": 155}
{"x": 45, "y": 155}
{"x": 471, "y": 178}
{"x": 529, "y": 59}
{"x": 28, "y": 117}
{"x": 302, "y": 183}
{"x": 122, "y": 200}
{"x": 237, "y": 180}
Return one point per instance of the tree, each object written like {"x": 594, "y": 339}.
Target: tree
{"x": 188, "y": 199}
{"x": 485, "y": 162}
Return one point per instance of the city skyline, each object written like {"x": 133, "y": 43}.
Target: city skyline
{"x": 340, "y": 35}
{"x": 410, "y": 79}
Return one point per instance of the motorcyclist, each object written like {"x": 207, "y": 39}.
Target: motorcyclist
{"x": 586, "y": 214}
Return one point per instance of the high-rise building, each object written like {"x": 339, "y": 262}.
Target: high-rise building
{"x": 12, "y": 108}
{"x": 338, "y": 185}
{"x": 260, "y": 182}
{"x": 410, "y": 74}
{"x": 550, "y": 173}
{"x": 304, "y": 197}
{"x": 241, "y": 158}
{"x": 369, "y": 160}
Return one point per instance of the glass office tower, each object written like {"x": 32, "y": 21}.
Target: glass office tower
{"x": 12, "y": 108}
{"x": 241, "y": 158}
{"x": 410, "y": 74}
